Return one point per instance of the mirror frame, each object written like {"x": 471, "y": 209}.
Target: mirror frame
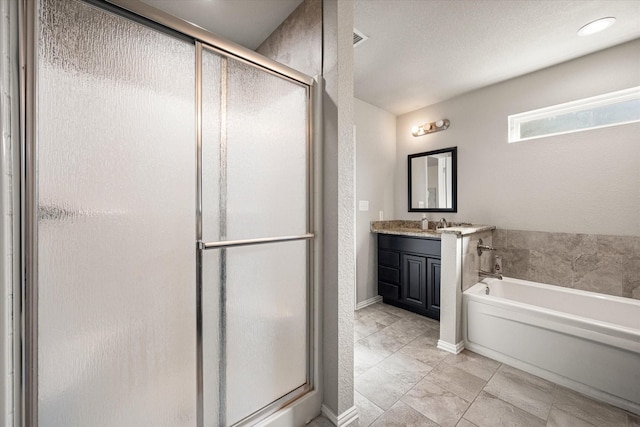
{"x": 454, "y": 180}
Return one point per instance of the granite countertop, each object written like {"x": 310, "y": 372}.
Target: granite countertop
{"x": 413, "y": 228}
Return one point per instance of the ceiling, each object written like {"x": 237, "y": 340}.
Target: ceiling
{"x": 421, "y": 52}
{"x": 245, "y": 22}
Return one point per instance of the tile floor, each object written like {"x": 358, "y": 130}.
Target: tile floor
{"x": 402, "y": 379}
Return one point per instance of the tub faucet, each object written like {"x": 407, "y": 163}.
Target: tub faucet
{"x": 482, "y": 247}
{"x": 482, "y": 273}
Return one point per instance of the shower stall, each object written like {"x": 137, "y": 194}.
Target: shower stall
{"x": 169, "y": 232}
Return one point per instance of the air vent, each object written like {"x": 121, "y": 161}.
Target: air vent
{"x": 358, "y": 37}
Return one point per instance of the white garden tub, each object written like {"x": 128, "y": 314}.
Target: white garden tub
{"x": 582, "y": 340}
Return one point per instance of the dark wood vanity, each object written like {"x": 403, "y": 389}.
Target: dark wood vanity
{"x": 409, "y": 273}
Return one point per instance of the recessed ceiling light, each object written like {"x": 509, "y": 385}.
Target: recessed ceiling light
{"x": 596, "y": 26}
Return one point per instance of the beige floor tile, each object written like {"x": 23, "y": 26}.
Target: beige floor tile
{"x": 523, "y": 390}
{"x": 475, "y": 364}
{"x": 423, "y": 350}
{"x": 368, "y": 411}
{"x": 320, "y": 422}
{"x": 383, "y": 317}
{"x": 489, "y": 411}
{"x": 394, "y": 310}
{"x": 587, "y": 409}
{"x": 382, "y": 342}
{"x": 423, "y": 322}
{"x": 365, "y": 358}
{"x": 436, "y": 403}
{"x": 366, "y": 311}
{"x": 402, "y": 415}
{"x": 405, "y": 367}
{"x": 465, "y": 423}
{"x": 457, "y": 381}
{"x": 381, "y": 388}
{"x": 402, "y": 379}
{"x": 406, "y": 331}
{"x": 366, "y": 326}
{"x": 358, "y": 335}
{"x": 560, "y": 418}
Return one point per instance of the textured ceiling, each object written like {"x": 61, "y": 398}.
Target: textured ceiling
{"x": 421, "y": 52}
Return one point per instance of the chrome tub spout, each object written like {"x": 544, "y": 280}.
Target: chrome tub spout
{"x": 483, "y": 273}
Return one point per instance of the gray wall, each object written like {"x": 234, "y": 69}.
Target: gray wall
{"x": 585, "y": 182}
{"x": 339, "y": 206}
{"x": 566, "y": 206}
{"x": 297, "y": 42}
{"x": 375, "y": 170}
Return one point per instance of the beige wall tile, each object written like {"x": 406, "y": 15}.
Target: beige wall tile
{"x": 499, "y": 238}
{"x": 471, "y": 262}
{"x": 618, "y": 245}
{"x": 597, "y": 263}
{"x": 554, "y": 268}
{"x": 631, "y": 277}
{"x": 520, "y": 239}
{"x": 515, "y": 263}
{"x": 598, "y": 273}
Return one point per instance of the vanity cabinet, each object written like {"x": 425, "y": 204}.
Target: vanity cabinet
{"x": 409, "y": 273}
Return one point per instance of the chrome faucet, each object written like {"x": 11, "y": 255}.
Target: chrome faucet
{"x": 489, "y": 274}
{"x": 442, "y": 223}
{"x": 482, "y": 247}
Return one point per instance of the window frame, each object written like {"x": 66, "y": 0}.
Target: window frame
{"x": 515, "y": 121}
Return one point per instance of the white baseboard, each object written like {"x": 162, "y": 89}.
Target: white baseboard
{"x": 344, "y": 419}
{"x": 368, "y": 302}
{"x": 455, "y": 349}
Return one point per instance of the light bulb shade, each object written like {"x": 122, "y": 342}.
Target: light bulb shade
{"x": 430, "y": 127}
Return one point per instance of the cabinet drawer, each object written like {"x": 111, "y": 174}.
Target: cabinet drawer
{"x": 388, "y": 258}
{"x": 409, "y": 244}
{"x": 389, "y": 275}
{"x": 387, "y": 290}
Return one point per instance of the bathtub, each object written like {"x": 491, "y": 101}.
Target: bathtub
{"x": 582, "y": 340}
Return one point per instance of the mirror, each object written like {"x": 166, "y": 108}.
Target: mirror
{"x": 432, "y": 181}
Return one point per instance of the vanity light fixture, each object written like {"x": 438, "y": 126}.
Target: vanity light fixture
{"x": 430, "y": 127}
{"x": 596, "y": 26}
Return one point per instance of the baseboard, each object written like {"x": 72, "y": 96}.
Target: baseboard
{"x": 455, "y": 349}
{"x": 368, "y": 302}
{"x": 344, "y": 419}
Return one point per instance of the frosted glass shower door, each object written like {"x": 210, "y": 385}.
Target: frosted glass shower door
{"x": 255, "y": 187}
{"x": 116, "y": 221}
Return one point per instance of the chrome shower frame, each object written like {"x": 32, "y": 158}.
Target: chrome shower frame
{"x": 202, "y": 39}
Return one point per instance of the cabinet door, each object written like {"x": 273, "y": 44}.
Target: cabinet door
{"x": 433, "y": 285}
{"x": 414, "y": 280}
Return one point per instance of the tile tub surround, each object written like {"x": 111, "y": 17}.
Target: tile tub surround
{"x": 591, "y": 262}
{"x": 409, "y": 382}
{"x": 471, "y": 261}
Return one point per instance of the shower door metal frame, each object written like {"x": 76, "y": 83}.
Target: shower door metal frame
{"x": 202, "y": 39}
{"x": 224, "y": 244}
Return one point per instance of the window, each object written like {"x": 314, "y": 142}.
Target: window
{"x": 610, "y": 109}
